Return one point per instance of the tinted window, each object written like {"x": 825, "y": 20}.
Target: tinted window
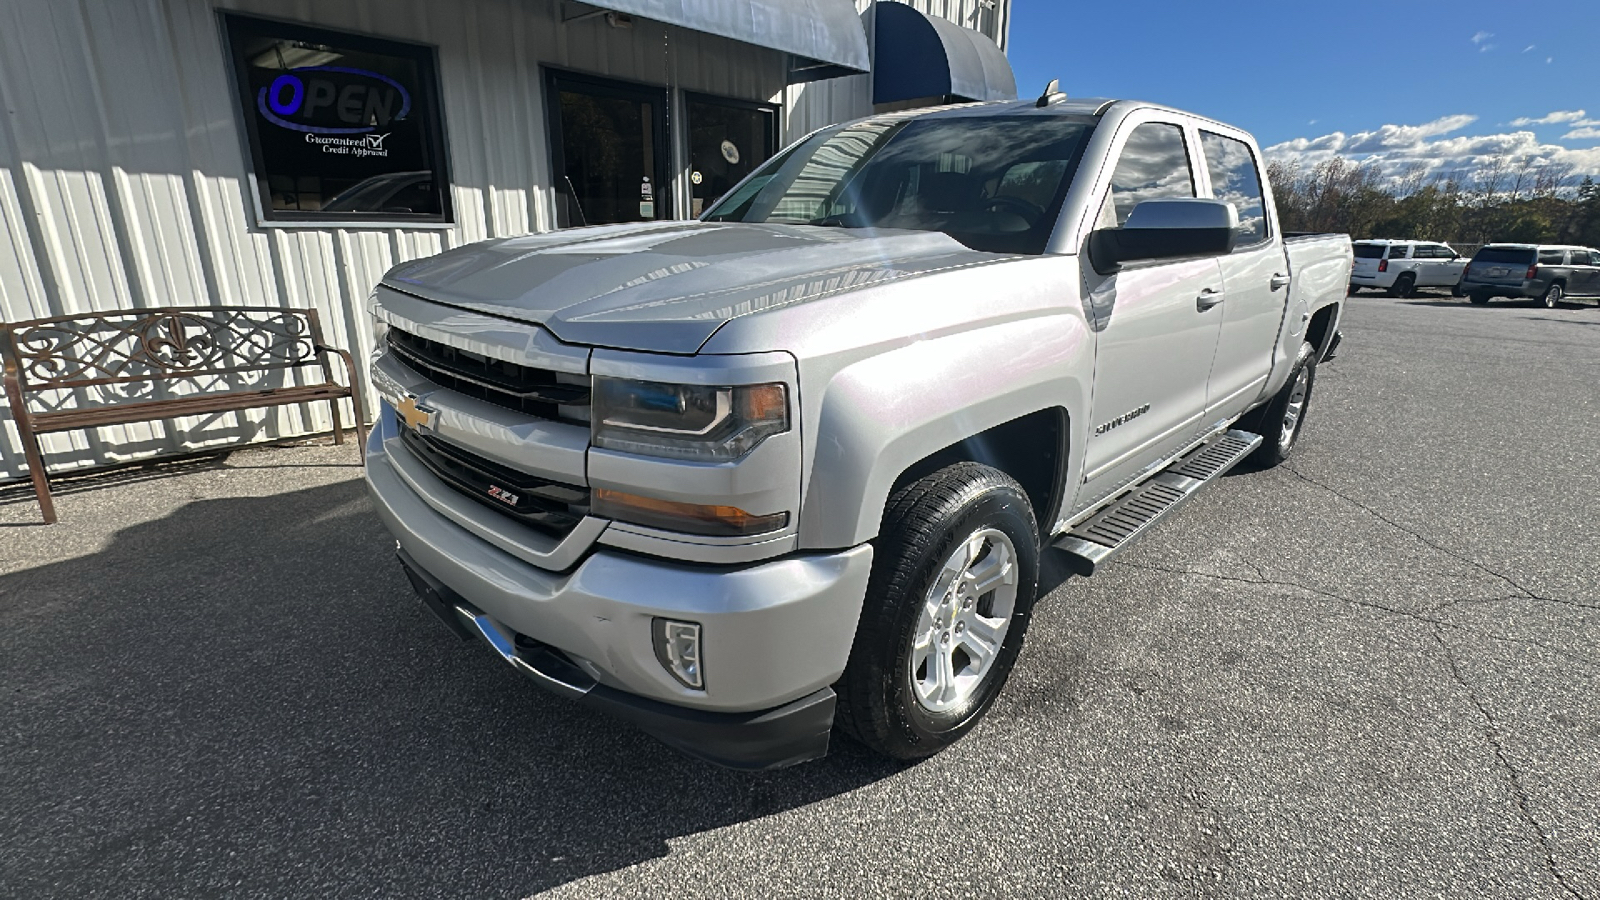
{"x": 1234, "y": 179}
{"x": 340, "y": 125}
{"x": 1154, "y": 164}
{"x": 1398, "y": 251}
{"x": 993, "y": 183}
{"x": 1581, "y": 258}
{"x": 1517, "y": 255}
{"x": 1369, "y": 251}
{"x": 1552, "y": 257}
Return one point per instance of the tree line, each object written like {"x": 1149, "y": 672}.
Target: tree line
{"x": 1507, "y": 199}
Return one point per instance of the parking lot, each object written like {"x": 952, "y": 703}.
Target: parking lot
{"x": 1371, "y": 672}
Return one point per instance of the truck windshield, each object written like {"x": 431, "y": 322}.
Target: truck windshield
{"x": 1515, "y": 255}
{"x": 994, "y": 183}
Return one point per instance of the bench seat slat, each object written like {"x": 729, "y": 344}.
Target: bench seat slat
{"x": 200, "y": 404}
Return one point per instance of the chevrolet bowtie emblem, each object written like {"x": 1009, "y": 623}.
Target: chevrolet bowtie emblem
{"x": 415, "y": 416}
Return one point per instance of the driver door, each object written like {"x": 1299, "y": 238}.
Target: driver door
{"x": 1160, "y": 326}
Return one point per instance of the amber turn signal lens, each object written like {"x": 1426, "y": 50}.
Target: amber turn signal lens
{"x": 689, "y": 518}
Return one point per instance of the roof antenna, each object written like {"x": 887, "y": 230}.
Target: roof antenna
{"x": 1052, "y": 93}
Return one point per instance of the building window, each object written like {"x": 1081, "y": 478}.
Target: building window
{"x": 342, "y": 127}
{"x": 728, "y": 139}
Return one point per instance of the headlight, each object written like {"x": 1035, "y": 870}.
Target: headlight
{"x": 686, "y": 421}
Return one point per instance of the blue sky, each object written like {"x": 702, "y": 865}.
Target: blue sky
{"x": 1454, "y": 81}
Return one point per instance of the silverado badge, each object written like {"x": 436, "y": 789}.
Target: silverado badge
{"x": 1123, "y": 419}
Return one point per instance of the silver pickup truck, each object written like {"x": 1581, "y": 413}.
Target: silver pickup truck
{"x": 791, "y": 466}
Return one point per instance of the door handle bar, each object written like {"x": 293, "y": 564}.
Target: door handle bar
{"x": 1208, "y": 298}
{"x": 1279, "y": 280}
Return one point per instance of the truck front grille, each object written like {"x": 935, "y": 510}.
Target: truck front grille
{"x": 537, "y": 392}
{"x": 550, "y": 506}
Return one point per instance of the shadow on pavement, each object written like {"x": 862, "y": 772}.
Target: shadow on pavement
{"x": 245, "y": 697}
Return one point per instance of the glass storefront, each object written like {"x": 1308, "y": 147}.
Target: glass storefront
{"x": 728, "y": 139}
{"x": 608, "y": 140}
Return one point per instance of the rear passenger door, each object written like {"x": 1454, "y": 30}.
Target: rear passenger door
{"x": 1254, "y": 279}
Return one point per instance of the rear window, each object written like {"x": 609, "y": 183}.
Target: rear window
{"x": 1519, "y": 255}
{"x": 1369, "y": 251}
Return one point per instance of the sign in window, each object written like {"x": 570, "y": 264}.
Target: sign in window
{"x": 341, "y": 127}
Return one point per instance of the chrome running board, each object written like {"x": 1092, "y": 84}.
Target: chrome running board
{"x": 1123, "y": 518}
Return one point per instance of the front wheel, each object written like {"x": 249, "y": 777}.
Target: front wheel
{"x": 1280, "y": 421}
{"x": 948, "y": 602}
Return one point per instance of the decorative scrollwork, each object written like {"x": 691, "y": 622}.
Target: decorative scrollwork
{"x": 122, "y": 348}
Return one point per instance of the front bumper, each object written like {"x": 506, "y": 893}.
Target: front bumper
{"x": 774, "y": 635}
{"x": 792, "y": 733}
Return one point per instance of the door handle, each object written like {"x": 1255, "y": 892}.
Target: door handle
{"x": 1208, "y": 298}
{"x": 1279, "y": 281}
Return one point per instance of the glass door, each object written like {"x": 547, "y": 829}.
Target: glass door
{"x": 728, "y": 139}
{"x": 608, "y": 150}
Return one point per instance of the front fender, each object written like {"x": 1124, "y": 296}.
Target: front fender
{"x": 882, "y": 414}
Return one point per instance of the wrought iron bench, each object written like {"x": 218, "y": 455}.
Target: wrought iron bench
{"x": 113, "y": 368}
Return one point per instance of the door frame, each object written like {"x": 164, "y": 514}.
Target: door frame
{"x": 557, "y": 80}
{"x": 774, "y": 133}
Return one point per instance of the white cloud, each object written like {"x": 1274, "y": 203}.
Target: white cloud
{"x": 1559, "y": 117}
{"x": 1529, "y": 47}
{"x": 1482, "y": 36}
{"x": 1549, "y": 59}
{"x": 1434, "y": 149}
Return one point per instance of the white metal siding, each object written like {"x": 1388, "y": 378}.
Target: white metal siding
{"x": 123, "y": 170}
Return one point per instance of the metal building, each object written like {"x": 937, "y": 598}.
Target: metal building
{"x": 287, "y": 153}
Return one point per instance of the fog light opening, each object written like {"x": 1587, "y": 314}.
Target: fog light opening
{"x": 678, "y": 650}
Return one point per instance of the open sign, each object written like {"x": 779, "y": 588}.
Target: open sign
{"x": 333, "y": 100}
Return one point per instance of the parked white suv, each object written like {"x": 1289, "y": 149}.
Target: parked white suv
{"x": 1400, "y": 267}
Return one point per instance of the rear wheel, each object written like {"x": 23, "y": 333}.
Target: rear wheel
{"x": 1553, "y": 296}
{"x": 1404, "y": 286}
{"x": 1479, "y": 299}
{"x": 948, "y": 602}
{"x": 1280, "y": 421}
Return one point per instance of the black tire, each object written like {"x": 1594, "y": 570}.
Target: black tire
{"x": 1479, "y": 299}
{"x": 923, "y": 525}
{"x": 1456, "y": 290}
{"x": 1554, "y": 296}
{"x": 1271, "y": 419}
{"x": 1353, "y": 290}
{"x": 1404, "y": 286}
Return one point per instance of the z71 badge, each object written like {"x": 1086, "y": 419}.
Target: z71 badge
{"x": 503, "y": 495}
{"x": 1123, "y": 419}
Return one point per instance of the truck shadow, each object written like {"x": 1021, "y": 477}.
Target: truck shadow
{"x": 245, "y": 694}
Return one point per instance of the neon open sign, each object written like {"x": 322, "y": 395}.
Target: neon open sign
{"x": 359, "y": 100}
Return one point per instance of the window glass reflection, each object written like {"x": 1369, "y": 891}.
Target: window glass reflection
{"x": 1154, "y": 165}
{"x": 1234, "y": 179}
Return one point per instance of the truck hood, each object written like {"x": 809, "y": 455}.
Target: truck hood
{"x": 667, "y": 287}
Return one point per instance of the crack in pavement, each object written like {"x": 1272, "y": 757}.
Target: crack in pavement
{"x": 1409, "y": 614}
{"x": 1436, "y": 630}
{"x": 1491, "y": 732}
{"x": 1431, "y": 543}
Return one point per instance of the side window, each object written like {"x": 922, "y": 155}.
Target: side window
{"x": 1398, "y": 251}
{"x": 1551, "y": 257}
{"x": 1154, "y": 165}
{"x": 1581, "y": 258}
{"x": 1235, "y": 179}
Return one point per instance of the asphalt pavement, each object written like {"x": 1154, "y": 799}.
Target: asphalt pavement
{"x": 1371, "y": 672}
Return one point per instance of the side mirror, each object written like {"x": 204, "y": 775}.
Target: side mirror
{"x": 1166, "y": 229}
